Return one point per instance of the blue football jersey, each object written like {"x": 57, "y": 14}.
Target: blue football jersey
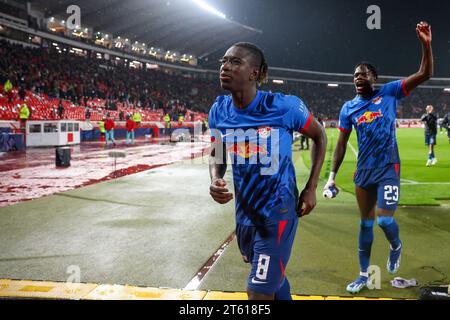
{"x": 374, "y": 122}
{"x": 258, "y": 140}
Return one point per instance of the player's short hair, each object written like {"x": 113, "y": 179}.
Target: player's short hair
{"x": 258, "y": 59}
{"x": 369, "y": 66}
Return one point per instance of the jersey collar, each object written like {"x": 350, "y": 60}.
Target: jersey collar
{"x": 251, "y": 106}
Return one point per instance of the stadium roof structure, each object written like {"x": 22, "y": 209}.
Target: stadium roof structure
{"x": 178, "y": 25}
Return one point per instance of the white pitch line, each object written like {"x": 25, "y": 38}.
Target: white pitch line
{"x": 405, "y": 181}
{"x": 426, "y": 183}
{"x": 353, "y": 149}
{"x": 409, "y": 181}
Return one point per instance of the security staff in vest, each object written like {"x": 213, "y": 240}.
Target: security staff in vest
{"x": 101, "y": 127}
{"x": 137, "y": 118}
{"x": 24, "y": 115}
{"x": 167, "y": 121}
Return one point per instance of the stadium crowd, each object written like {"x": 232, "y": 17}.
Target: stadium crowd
{"x": 59, "y": 74}
{"x": 326, "y": 102}
{"x": 81, "y": 79}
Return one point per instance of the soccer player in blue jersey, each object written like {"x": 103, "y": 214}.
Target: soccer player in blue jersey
{"x": 377, "y": 177}
{"x": 255, "y": 128}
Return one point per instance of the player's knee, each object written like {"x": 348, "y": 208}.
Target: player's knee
{"x": 367, "y": 223}
{"x": 384, "y": 221}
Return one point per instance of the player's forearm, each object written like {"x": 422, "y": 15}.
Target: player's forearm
{"x": 217, "y": 161}
{"x": 318, "y": 151}
{"x": 216, "y": 171}
{"x": 338, "y": 158}
{"x": 426, "y": 66}
{"x": 425, "y": 71}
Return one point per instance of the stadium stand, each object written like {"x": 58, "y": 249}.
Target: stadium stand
{"x": 44, "y": 76}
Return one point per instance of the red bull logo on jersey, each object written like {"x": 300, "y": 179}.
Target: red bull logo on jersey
{"x": 369, "y": 117}
{"x": 247, "y": 150}
{"x": 377, "y": 101}
{"x": 264, "y": 132}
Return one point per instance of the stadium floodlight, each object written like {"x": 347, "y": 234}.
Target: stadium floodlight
{"x": 333, "y": 85}
{"x": 202, "y": 4}
{"x": 277, "y": 81}
{"x": 447, "y": 90}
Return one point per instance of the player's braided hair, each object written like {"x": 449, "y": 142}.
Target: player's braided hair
{"x": 369, "y": 66}
{"x": 260, "y": 61}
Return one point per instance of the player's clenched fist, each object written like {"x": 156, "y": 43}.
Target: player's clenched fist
{"x": 423, "y": 30}
{"x": 219, "y": 192}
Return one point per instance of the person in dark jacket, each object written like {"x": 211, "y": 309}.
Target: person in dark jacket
{"x": 430, "y": 121}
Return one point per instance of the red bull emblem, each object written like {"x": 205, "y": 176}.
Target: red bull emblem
{"x": 369, "y": 117}
{"x": 264, "y": 132}
{"x": 377, "y": 100}
{"x": 247, "y": 150}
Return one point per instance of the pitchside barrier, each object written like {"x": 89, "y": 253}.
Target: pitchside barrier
{"x": 91, "y": 132}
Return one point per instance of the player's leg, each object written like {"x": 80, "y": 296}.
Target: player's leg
{"x": 366, "y": 199}
{"x": 107, "y": 137}
{"x": 112, "y": 137}
{"x": 271, "y": 253}
{"x": 433, "y": 144}
{"x": 286, "y": 235}
{"x": 429, "y": 143}
{"x": 388, "y": 197}
{"x": 245, "y": 236}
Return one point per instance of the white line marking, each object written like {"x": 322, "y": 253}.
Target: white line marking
{"x": 353, "y": 149}
{"x": 427, "y": 183}
{"x": 405, "y": 181}
{"x": 195, "y": 282}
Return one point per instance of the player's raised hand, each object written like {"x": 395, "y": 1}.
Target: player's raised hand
{"x": 219, "y": 192}
{"x": 423, "y": 30}
{"x": 306, "y": 202}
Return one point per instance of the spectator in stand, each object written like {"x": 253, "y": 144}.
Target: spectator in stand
{"x": 131, "y": 125}
{"x": 109, "y": 127}
{"x": 7, "y": 89}
{"x": 60, "y": 110}
{"x": 22, "y": 93}
{"x": 82, "y": 80}
{"x": 121, "y": 115}
{"x": 88, "y": 114}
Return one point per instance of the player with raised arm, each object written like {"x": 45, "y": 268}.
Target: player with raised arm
{"x": 377, "y": 177}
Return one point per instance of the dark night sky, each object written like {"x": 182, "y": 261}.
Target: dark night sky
{"x": 331, "y": 35}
